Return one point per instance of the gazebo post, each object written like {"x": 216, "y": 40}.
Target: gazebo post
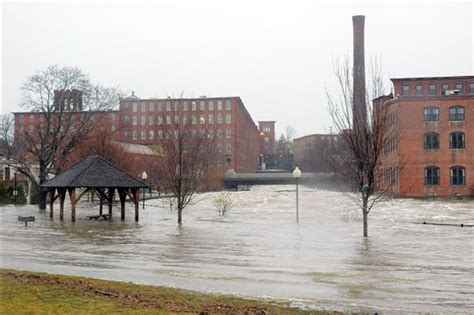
{"x": 123, "y": 196}
{"x": 62, "y": 196}
{"x": 101, "y": 200}
{"x": 72, "y": 196}
{"x": 111, "y": 200}
{"x": 136, "y": 201}
{"x": 51, "y": 202}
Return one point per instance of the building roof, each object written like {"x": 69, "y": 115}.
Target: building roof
{"x": 94, "y": 171}
{"x": 434, "y": 78}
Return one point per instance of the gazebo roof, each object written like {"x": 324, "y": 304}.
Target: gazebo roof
{"x": 94, "y": 171}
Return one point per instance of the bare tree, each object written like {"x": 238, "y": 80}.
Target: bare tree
{"x": 59, "y": 122}
{"x": 364, "y": 139}
{"x": 6, "y": 136}
{"x": 185, "y": 142}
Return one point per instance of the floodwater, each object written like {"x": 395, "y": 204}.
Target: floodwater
{"x": 258, "y": 250}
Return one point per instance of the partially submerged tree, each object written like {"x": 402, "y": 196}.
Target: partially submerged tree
{"x": 366, "y": 134}
{"x": 223, "y": 202}
{"x": 64, "y": 107}
{"x": 185, "y": 142}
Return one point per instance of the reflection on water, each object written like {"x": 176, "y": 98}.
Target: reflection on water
{"x": 257, "y": 249}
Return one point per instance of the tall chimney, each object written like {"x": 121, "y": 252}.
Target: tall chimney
{"x": 359, "y": 109}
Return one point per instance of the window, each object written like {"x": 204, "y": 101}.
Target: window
{"x": 228, "y": 148}
{"x": 143, "y": 107}
{"x": 456, "y": 140}
{"x": 456, "y": 113}
{"x": 125, "y": 105}
{"x": 419, "y": 90}
{"x": 159, "y": 120}
{"x": 193, "y": 106}
{"x": 219, "y": 104}
{"x": 228, "y": 160}
{"x": 219, "y": 133}
{"x": 152, "y": 106}
{"x": 445, "y": 87}
{"x": 151, "y": 134}
{"x": 134, "y": 135}
{"x": 143, "y": 120}
{"x": 458, "y": 175}
{"x": 219, "y": 119}
{"x": 160, "y": 106}
{"x": 432, "y": 175}
{"x": 431, "y": 114}
{"x": 176, "y": 106}
{"x": 219, "y": 147}
{"x": 227, "y": 104}
{"x": 185, "y": 105}
{"x": 228, "y": 133}
{"x": 176, "y": 119}
{"x": 211, "y": 105}
{"x": 432, "y": 89}
{"x": 431, "y": 140}
{"x": 126, "y": 119}
{"x": 228, "y": 119}
{"x": 151, "y": 120}
{"x": 211, "y": 119}
{"x": 471, "y": 88}
{"x": 125, "y": 133}
{"x": 459, "y": 87}
{"x": 202, "y": 119}
{"x": 134, "y": 120}
{"x": 202, "y": 105}
{"x": 160, "y": 134}
{"x": 193, "y": 120}
{"x": 405, "y": 90}
{"x": 143, "y": 135}
{"x": 168, "y": 106}
{"x": 135, "y": 106}
{"x": 168, "y": 120}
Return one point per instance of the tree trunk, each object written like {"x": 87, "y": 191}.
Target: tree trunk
{"x": 365, "y": 215}
{"x": 180, "y": 218}
{"x": 42, "y": 198}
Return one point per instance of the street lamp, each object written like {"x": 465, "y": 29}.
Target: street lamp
{"x": 297, "y": 175}
{"x": 144, "y": 177}
{"x": 15, "y": 190}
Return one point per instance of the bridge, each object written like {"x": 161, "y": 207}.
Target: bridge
{"x": 232, "y": 180}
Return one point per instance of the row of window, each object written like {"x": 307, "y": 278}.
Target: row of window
{"x": 151, "y": 105}
{"x": 456, "y": 140}
{"x": 456, "y": 113}
{"x": 432, "y": 89}
{"x": 159, "y": 120}
{"x": 457, "y": 175}
{"x": 159, "y": 134}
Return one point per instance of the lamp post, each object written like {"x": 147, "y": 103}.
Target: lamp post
{"x": 15, "y": 190}
{"x": 297, "y": 175}
{"x": 144, "y": 177}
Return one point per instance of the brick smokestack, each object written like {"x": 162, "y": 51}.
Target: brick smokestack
{"x": 359, "y": 109}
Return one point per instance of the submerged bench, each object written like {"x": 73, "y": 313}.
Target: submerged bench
{"x": 26, "y": 219}
{"x": 97, "y": 217}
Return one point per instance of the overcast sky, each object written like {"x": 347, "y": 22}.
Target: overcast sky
{"x": 277, "y": 56}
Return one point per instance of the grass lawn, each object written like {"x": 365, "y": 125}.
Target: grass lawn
{"x": 41, "y": 293}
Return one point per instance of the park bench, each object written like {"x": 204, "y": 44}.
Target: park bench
{"x": 26, "y": 219}
{"x": 97, "y": 217}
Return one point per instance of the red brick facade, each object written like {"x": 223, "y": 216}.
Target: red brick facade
{"x": 143, "y": 121}
{"x": 433, "y": 151}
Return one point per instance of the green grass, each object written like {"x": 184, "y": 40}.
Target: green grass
{"x": 40, "y": 293}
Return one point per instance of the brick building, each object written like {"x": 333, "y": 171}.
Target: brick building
{"x": 313, "y": 153}
{"x": 431, "y": 153}
{"x": 145, "y": 121}
{"x": 266, "y": 129}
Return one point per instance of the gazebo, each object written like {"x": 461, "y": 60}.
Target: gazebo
{"x": 94, "y": 173}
